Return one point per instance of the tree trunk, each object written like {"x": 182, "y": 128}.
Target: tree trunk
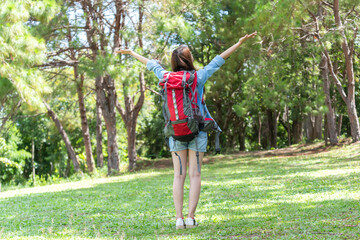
{"x": 288, "y": 125}
{"x": 241, "y": 134}
{"x": 318, "y": 126}
{"x": 354, "y": 120}
{"x": 107, "y": 98}
{"x": 326, "y": 132}
{"x": 313, "y": 127}
{"x": 272, "y": 118}
{"x": 67, "y": 171}
{"x": 33, "y": 162}
{"x": 330, "y": 115}
{"x": 131, "y": 133}
{"x": 113, "y": 154}
{"x": 259, "y": 130}
{"x": 265, "y": 133}
{"x": 309, "y": 128}
{"x": 99, "y": 150}
{"x": 339, "y": 125}
{"x": 297, "y": 130}
{"x": 232, "y": 138}
{"x": 65, "y": 137}
{"x": 85, "y": 126}
{"x": 242, "y": 141}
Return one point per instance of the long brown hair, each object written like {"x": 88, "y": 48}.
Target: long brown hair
{"x": 182, "y": 59}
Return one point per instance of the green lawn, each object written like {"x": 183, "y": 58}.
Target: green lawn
{"x": 312, "y": 196}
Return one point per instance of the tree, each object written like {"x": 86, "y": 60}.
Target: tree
{"x": 330, "y": 115}
{"x": 319, "y": 31}
{"x": 81, "y": 20}
{"x": 66, "y": 51}
{"x": 74, "y": 55}
{"x": 130, "y": 111}
{"x": 284, "y": 87}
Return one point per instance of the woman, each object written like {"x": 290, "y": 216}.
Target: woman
{"x": 182, "y": 60}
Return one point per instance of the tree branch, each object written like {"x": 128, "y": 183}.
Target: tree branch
{"x": 153, "y": 91}
{"x": 351, "y": 11}
{"x": 327, "y": 4}
{"x": 59, "y": 63}
{"x": 352, "y": 44}
{"x": 335, "y": 78}
{"x": 52, "y": 54}
{"x": 141, "y": 99}
{"x": 120, "y": 110}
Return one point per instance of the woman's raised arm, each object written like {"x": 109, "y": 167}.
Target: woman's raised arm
{"x": 142, "y": 59}
{"x": 232, "y": 49}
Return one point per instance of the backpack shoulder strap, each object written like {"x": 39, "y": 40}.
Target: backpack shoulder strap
{"x": 164, "y": 97}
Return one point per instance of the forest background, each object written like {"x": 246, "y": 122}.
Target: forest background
{"x": 69, "y": 106}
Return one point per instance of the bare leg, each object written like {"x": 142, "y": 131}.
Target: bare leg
{"x": 195, "y": 181}
{"x": 178, "y": 186}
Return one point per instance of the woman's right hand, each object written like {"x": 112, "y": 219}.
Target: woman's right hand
{"x": 122, "y": 51}
{"x": 247, "y": 36}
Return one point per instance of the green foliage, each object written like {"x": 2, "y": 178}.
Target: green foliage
{"x": 12, "y": 160}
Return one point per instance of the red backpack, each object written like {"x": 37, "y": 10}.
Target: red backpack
{"x": 181, "y": 111}
{"x": 183, "y": 119}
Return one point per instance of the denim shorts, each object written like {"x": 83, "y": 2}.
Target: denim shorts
{"x": 201, "y": 143}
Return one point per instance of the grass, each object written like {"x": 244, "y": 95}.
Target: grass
{"x": 264, "y": 195}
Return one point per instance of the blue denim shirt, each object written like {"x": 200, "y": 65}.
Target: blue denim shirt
{"x": 202, "y": 74}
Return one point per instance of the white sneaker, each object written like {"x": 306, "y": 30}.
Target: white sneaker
{"x": 180, "y": 224}
{"x": 191, "y": 223}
